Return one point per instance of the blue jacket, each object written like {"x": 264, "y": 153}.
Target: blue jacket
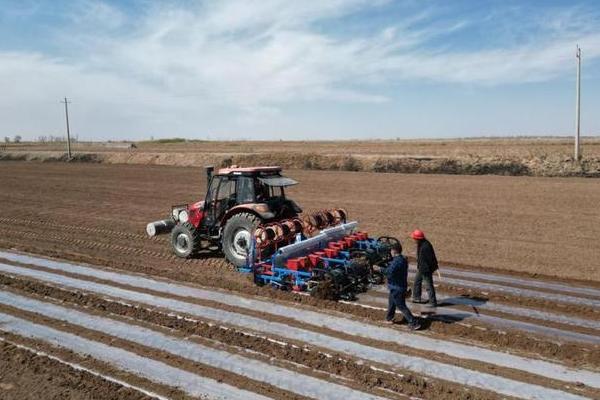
{"x": 397, "y": 273}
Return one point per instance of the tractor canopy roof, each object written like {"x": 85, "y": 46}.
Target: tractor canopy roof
{"x": 270, "y": 176}
{"x": 277, "y": 180}
{"x": 235, "y": 170}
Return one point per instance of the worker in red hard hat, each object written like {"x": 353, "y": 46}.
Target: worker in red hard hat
{"x": 426, "y": 265}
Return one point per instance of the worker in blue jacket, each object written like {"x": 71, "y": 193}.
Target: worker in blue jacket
{"x": 397, "y": 274}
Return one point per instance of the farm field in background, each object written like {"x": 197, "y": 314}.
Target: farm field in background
{"x": 525, "y": 156}
{"x": 482, "y": 147}
{"x": 519, "y": 294}
{"x": 545, "y": 226}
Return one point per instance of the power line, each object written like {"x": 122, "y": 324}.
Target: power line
{"x": 66, "y": 103}
{"x": 578, "y": 105}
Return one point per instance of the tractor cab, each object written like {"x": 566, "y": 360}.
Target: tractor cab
{"x": 237, "y": 201}
{"x": 260, "y": 190}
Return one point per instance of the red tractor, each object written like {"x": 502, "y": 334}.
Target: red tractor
{"x": 237, "y": 201}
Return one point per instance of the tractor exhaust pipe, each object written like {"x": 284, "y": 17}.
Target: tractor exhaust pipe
{"x": 209, "y": 171}
{"x": 160, "y": 227}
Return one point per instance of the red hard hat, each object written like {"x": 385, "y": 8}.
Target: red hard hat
{"x": 417, "y": 235}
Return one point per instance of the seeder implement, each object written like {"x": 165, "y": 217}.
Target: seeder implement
{"x": 336, "y": 263}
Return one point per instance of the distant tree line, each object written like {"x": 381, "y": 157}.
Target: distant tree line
{"x": 16, "y": 139}
{"x": 54, "y": 139}
{"x": 42, "y": 139}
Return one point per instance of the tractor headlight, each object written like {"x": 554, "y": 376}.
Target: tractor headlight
{"x": 184, "y": 216}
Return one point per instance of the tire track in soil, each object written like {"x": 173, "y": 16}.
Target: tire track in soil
{"x": 156, "y": 371}
{"x": 122, "y": 194}
{"x": 561, "y": 334}
{"x": 332, "y": 363}
{"x": 100, "y": 244}
{"x": 578, "y": 308}
{"x": 521, "y": 292}
{"x": 71, "y": 228}
{"x": 581, "y": 310}
{"x": 29, "y": 374}
{"x": 169, "y": 256}
{"x": 104, "y": 290}
{"x": 474, "y": 394}
{"x": 520, "y": 282}
{"x": 94, "y": 244}
{"x": 478, "y": 307}
{"x": 501, "y": 339}
{"x": 273, "y": 379}
{"x": 172, "y": 288}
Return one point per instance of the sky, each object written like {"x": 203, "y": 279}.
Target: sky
{"x": 299, "y": 70}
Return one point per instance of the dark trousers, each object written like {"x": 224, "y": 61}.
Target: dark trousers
{"x": 428, "y": 279}
{"x": 396, "y": 300}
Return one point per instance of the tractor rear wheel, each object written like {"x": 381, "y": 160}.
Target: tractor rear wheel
{"x": 237, "y": 237}
{"x": 185, "y": 240}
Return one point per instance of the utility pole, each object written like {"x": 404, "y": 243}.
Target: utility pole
{"x": 578, "y": 105}
{"x": 66, "y": 102}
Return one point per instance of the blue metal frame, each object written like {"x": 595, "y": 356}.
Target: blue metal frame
{"x": 282, "y": 277}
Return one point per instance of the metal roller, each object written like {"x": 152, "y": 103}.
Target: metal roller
{"x": 160, "y": 227}
{"x": 262, "y": 239}
{"x": 330, "y": 217}
{"x": 274, "y": 232}
{"x": 298, "y": 225}
{"x": 289, "y": 228}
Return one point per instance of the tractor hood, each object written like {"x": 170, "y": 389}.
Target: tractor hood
{"x": 280, "y": 181}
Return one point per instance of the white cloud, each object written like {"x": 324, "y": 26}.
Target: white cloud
{"x": 494, "y": 67}
{"x": 91, "y": 15}
{"x": 252, "y": 57}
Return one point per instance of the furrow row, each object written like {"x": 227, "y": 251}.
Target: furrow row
{"x": 242, "y": 366}
{"x": 449, "y": 272}
{"x": 517, "y": 281}
{"x": 318, "y": 319}
{"x": 482, "y": 305}
{"x": 520, "y": 292}
{"x": 453, "y": 314}
{"x": 153, "y": 370}
{"x": 468, "y": 377}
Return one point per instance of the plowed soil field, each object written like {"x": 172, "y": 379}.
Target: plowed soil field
{"x": 92, "y": 308}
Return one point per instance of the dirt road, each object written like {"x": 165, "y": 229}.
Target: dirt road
{"x": 116, "y": 313}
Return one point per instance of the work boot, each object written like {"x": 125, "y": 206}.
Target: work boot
{"x": 415, "y": 326}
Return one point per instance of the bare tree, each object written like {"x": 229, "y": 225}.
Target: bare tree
{"x": 17, "y": 139}
{"x": 6, "y": 139}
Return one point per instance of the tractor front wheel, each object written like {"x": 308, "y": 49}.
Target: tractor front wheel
{"x": 185, "y": 240}
{"x": 237, "y": 237}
